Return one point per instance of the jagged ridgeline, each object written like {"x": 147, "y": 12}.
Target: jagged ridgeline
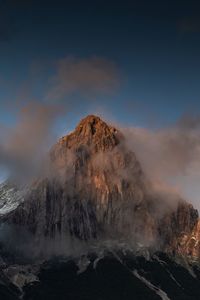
{"x": 96, "y": 188}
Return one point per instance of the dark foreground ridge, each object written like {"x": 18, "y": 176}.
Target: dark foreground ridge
{"x": 114, "y": 276}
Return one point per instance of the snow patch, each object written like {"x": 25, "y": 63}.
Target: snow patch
{"x": 158, "y": 291}
{"x": 10, "y": 198}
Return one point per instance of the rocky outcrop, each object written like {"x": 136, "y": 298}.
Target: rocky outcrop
{"x": 96, "y": 188}
{"x": 189, "y": 243}
{"x": 175, "y": 226}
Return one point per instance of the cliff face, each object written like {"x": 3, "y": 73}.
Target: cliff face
{"x": 96, "y": 188}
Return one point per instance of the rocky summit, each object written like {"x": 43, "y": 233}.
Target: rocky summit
{"x": 96, "y": 191}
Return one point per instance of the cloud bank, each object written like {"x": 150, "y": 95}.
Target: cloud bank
{"x": 170, "y": 157}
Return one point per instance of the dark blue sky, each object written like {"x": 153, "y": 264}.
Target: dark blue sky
{"x": 155, "y": 47}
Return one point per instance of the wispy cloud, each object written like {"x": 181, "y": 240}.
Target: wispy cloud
{"x": 189, "y": 25}
{"x": 89, "y": 76}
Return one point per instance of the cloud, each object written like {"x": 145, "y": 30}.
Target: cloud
{"x": 170, "y": 157}
{"x": 189, "y": 25}
{"x": 23, "y": 147}
{"x": 90, "y": 76}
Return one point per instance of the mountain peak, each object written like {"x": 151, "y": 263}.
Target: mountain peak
{"x": 93, "y": 131}
{"x": 91, "y": 123}
{"x": 92, "y": 119}
{"x": 95, "y": 126}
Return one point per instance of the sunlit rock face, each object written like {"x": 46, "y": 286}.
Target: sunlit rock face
{"x": 189, "y": 243}
{"x": 177, "y": 225}
{"x": 96, "y": 189}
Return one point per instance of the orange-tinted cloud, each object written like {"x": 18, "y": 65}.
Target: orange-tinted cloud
{"x": 90, "y": 76}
